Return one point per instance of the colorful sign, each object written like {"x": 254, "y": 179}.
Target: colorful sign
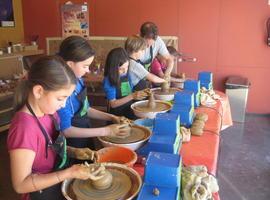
{"x": 75, "y": 20}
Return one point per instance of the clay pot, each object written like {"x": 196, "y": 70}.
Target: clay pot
{"x": 119, "y": 154}
{"x": 104, "y": 182}
{"x": 165, "y": 86}
{"x": 151, "y": 101}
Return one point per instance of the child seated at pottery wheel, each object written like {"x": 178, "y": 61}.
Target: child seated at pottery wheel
{"x": 37, "y": 149}
{"x": 159, "y": 66}
{"x": 135, "y": 46}
{"x": 76, "y": 114}
{"x": 117, "y": 86}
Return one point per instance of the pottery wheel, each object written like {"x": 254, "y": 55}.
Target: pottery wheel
{"x": 136, "y": 134}
{"x": 160, "y": 106}
{"x": 169, "y": 92}
{"x": 120, "y": 188}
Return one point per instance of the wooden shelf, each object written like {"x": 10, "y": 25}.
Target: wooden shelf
{"x": 22, "y": 53}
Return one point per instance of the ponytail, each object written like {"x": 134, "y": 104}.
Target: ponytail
{"x": 21, "y": 94}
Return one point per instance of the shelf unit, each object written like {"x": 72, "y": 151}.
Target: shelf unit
{"x": 11, "y": 64}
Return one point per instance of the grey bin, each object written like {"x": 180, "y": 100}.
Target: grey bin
{"x": 237, "y": 90}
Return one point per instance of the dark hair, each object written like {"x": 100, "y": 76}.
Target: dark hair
{"x": 51, "y": 72}
{"x": 76, "y": 49}
{"x": 149, "y": 30}
{"x": 115, "y": 58}
{"x": 173, "y": 51}
{"x": 135, "y": 43}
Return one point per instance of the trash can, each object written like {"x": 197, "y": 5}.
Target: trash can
{"x": 237, "y": 92}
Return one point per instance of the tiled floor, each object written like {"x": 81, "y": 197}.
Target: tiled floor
{"x": 244, "y": 162}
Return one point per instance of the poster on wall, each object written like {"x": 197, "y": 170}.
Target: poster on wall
{"x": 75, "y": 20}
{"x": 6, "y": 13}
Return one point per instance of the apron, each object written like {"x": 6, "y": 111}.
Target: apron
{"x": 81, "y": 120}
{"x": 59, "y": 147}
{"x": 143, "y": 83}
{"x": 148, "y": 63}
{"x": 122, "y": 91}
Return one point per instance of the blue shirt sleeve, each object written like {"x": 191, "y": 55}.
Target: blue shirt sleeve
{"x": 72, "y": 106}
{"x": 66, "y": 114}
{"x": 109, "y": 90}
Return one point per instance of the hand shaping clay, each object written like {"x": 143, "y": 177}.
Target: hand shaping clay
{"x": 104, "y": 182}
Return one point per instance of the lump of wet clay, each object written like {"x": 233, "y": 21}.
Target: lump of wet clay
{"x": 156, "y": 192}
{"x": 197, "y": 127}
{"x": 151, "y": 101}
{"x": 128, "y": 132}
{"x": 104, "y": 182}
{"x": 165, "y": 87}
{"x": 201, "y": 116}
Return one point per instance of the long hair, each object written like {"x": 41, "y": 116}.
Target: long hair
{"x": 76, "y": 49}
{"x": 115, "y": 58}
{"x": 51, "y": 72}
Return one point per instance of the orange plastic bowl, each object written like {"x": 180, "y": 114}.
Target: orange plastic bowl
{"x": 117, "y": 154}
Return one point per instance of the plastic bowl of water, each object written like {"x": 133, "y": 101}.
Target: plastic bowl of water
{"x": 148, "y": 123}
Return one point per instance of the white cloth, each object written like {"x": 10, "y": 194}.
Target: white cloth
{"x": 159, "y": 47}
{"x": 136, "y": 72}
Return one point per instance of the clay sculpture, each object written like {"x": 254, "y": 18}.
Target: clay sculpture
{"x": 197, "y": 184}
{"x": 185, "y": 134}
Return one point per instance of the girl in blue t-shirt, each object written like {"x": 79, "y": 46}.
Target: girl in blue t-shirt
{"x": 75, "y": 115}
{"x": 117, "y": 86}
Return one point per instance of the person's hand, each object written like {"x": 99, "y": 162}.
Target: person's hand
{"x": 118, "y": 130}
{"x": 120, "y": 119}
{"x": 116, "y": 119}
{"x": 85, "y": 154}
{"x": 87, "y": 171}
{"x": 124, "y": 120}
{"x": 167, "y": 78}
{"x": 139, "y": 95}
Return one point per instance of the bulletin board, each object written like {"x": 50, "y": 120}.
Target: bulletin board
{"x": 75, "y": 20}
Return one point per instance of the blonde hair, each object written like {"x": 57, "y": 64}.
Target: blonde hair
{"x": 134, "y": 44}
